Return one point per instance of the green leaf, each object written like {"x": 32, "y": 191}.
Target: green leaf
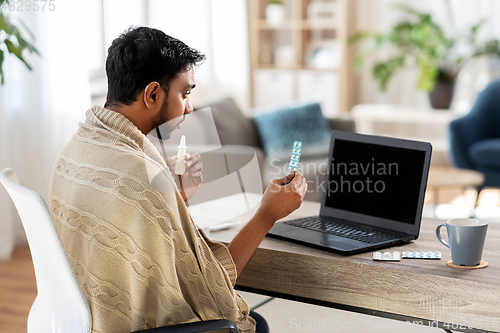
{"x": 1, "y": 66}
{"x": 428, "y": 73}
{"x": 361, "y": 35}
{"x": 5, "y": 24}
{"x": 26, "y": 44}
{"x": 383, "y": 71}
{"x": 17, "y": 51}
{"x": 10, "y": 46}
{"x": 489, "y": 47}
{"x": 474, "y": 30}
{"x": 12, "y": 30}
{"x": 380, "y": 40}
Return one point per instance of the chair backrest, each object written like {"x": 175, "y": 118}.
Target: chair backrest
{"x": 486, "y": 109}
{"x": 60, "y": 305}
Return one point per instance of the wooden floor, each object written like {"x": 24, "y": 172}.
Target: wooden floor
{"x": 17, "y": 291}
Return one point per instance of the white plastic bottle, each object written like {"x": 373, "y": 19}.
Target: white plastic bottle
{"x": 180, "y": 164}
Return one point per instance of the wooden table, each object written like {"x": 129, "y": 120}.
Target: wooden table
{"x": 446, "y": 177}
{"x": 426, "y": 292}
{"x": 454, "y": 177}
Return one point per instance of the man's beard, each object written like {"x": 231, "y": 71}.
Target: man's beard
{"x": 162, "y": 116}
{"x": 169, "y": 126}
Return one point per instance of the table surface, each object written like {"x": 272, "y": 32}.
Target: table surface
{"x": 411, "y": 290}
{"x": 450, "y": 177}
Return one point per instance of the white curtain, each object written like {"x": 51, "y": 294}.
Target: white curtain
{"x": 40, "y": 110}
{"x": 379, "y": 15}
{"x": 219, "y": 29}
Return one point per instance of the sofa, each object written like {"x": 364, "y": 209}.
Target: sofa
{"x": 233, "y": 154}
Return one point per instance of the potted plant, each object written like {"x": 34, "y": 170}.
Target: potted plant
{"x": 275, "y": 12}
{"x": 420, "y": 42}
{"x": 11, "y": 38}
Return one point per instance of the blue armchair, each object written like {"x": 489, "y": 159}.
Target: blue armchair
{"x": 475, "y": 137}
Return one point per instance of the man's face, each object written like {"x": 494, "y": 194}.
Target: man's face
{"x": 177, "y": 103}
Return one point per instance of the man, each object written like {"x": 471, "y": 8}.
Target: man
{"x": 138, "y": 256}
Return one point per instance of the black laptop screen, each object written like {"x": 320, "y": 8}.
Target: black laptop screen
{"x": 376, "y": 180}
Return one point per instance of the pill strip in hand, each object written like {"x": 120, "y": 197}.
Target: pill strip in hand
{"x": 294, "y": 160}
{"x": 386, "y": 256}
{"x": 421, "y": 255}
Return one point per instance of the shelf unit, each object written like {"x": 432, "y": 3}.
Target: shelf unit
{"x": 304, "y": 55}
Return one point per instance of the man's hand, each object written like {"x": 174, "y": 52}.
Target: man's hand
{"x": 282, "y": 197}
{"x": 192, "y": 177}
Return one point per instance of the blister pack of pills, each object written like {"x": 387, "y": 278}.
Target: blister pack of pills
{"x": 294, "y": 160}
{"x": 421, "y": 255}
{"x": 386, "y": 256}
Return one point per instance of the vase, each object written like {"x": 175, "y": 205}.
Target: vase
{"x": 442, "y": 94}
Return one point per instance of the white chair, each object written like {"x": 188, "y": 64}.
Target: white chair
{"x": 60, "y": 306}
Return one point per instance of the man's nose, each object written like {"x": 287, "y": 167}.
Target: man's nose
{"x": 188, "y": 108}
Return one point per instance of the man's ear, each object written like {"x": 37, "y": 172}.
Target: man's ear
{"x": 151, "y": 95}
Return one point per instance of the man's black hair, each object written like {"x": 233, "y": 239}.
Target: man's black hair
{"x": 143, "y": 55}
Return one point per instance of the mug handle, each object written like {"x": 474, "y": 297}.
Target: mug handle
{"x": 438, "y": 234}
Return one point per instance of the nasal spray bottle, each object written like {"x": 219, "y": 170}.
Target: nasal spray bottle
{"x": 180, "y": 163}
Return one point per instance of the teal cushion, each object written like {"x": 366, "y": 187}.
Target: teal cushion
{"x": 279, "y": 127}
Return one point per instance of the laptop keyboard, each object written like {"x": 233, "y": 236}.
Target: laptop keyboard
{"x": 340, "y": 229}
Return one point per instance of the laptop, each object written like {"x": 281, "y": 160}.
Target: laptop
{"x": 373, "y": 195}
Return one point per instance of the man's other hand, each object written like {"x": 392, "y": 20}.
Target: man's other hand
{"x": 192, "y": 177}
